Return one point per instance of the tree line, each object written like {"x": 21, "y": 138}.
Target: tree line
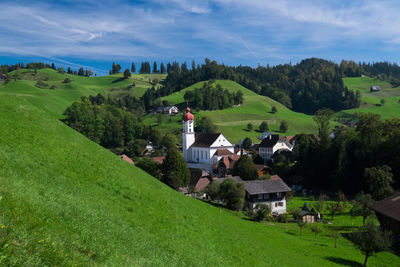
{"x": 4, "y": 69}
{"x": 305, "y": 87}
{"x": 211, "y": 96}
{"x": 364, "y": 158}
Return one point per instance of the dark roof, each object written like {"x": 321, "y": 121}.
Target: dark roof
{"x": 389, "y": 207}
{"x": 266, "y": 186}
{"x": 271, "y": 140}
{"x": 223, "y": 152}
{"x": 205, "y": 139}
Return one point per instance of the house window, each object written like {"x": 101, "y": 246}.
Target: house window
{"x": 279, "y": 194}
{"x": 276, "y": 204}
{"x": 201, "y": 154}
{"x": 280, "y": 204}
{"x": 266, "y": 196}
{"x": 260, "y": 196}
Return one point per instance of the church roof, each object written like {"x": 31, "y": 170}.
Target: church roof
{"x": 223, "y": 152}
{"x": 205, "y": 139}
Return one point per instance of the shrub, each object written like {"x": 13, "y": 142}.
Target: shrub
{"x": 67, "y": 80}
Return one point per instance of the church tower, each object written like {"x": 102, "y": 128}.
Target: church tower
{"x": 187, "y": 134}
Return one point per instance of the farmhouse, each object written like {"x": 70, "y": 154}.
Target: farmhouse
{"x": 375, "y": 88}
{"x": 271, "y": 144}
{"x": 388, "y": 213}
{"x": 203, "y": 150}
{"x": 171, "y": 110}
{"x": 270, "y": 192}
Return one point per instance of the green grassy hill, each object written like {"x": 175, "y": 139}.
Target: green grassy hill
{"x": 66, "y": 201}
{"x": 232, "y": 122}
{"x": 58, "y": 99}
{"x": 370, "y": 101}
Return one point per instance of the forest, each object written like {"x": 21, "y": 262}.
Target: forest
{"x": 346, "y": 161}
{"x": 113, "y": 128}
{"x": 210, "y": 97}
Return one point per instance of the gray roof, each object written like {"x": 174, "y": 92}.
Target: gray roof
{"x": 266, "y": 186}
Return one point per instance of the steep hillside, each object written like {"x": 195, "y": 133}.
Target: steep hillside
{"x": 233, "y": 121}
{"x": 371, "y": 101}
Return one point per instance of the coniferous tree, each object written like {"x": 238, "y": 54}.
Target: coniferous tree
{"x": 162, "y": 68}
{"x": 133, "y": 67}
{"x": 155, "y": 70}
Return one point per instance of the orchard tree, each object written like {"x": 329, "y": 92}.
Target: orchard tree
{"x": 205, "y": 125}
{"x": 274, "y": 109}
{"x": 127, "y": 74}
{"x": 284, "y": 126}
{"x": 247, "y": 143}
{"x": 264, "y": 126}
{"x": 361, "y": 205}
{"x": 371, "y": 240}
{"x": 249, "y": 126}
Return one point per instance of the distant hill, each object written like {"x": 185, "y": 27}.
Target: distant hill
{"x": 233, "y": 121}
{"x": 371, "y": 101}
{"x": 66, "y": 201}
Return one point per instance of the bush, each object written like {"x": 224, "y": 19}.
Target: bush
{"x": 67, "y": 80}
{"x": 262, "y": 210}
{"x": 284, "y": 126}
{"x": 41, "y": 84}
{"x": 53, "y": 87}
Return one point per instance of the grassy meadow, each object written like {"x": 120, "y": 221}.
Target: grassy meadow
{"x": 232, "y": 122}
{"x": 371, "y": 101}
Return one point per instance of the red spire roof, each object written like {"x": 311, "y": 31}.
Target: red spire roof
{"x": 188, "y": 116}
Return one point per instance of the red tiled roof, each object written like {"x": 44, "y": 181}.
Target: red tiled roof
{"x": 201, "y": 184}
{"x": 127, "y": 159}
{"x": 289, "y": 138}
{"x": 223, "y": 152}
{"x": 158, "y": 159}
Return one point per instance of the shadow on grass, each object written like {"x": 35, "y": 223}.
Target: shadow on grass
{"x": 118, "y": 80}
{"x": 343, "y": 228}
{"x": 343, "y": 261}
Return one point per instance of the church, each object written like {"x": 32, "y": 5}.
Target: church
{"x": 203, "y": 150}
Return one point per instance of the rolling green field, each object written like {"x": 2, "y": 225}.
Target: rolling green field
{"x": 66, "y": 201}
{"x": 370, "y": 102}
{"x": 56, "y": 100}
{"x": 232, "y": 122}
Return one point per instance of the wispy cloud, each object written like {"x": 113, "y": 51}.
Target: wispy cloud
{"x": 232, "y": 31}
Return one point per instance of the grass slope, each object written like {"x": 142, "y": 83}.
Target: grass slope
{"x": 232, "y": 122}
{"x": 57, "y": 100}
{"x": 370, "y": 102}
{"x": 67, "y": 201}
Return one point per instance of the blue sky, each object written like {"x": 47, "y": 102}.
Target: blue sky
{"x": 93, "y": 33}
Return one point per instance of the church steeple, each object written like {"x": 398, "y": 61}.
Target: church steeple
{"x": 187, "y": 134}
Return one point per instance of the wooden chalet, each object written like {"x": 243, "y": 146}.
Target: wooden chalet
{"x": 388, "y": 213}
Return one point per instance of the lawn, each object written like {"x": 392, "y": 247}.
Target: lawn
{"x": 66, "y": 201}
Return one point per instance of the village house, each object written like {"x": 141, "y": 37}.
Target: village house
{"x": 272, "y": 143}
{"x": 375, "y": 88}
{"x": 388, "y": 213}
{"x": 170, "y": 110}
{"x": 203, "y": 150}
{"x": 271, "y": 192}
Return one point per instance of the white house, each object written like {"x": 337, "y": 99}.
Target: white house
{"x": 270, "y": 192}
{"x": 171, "y": 110}
{"x": 202, "y": 150}
{"x": 271, "y": 144}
